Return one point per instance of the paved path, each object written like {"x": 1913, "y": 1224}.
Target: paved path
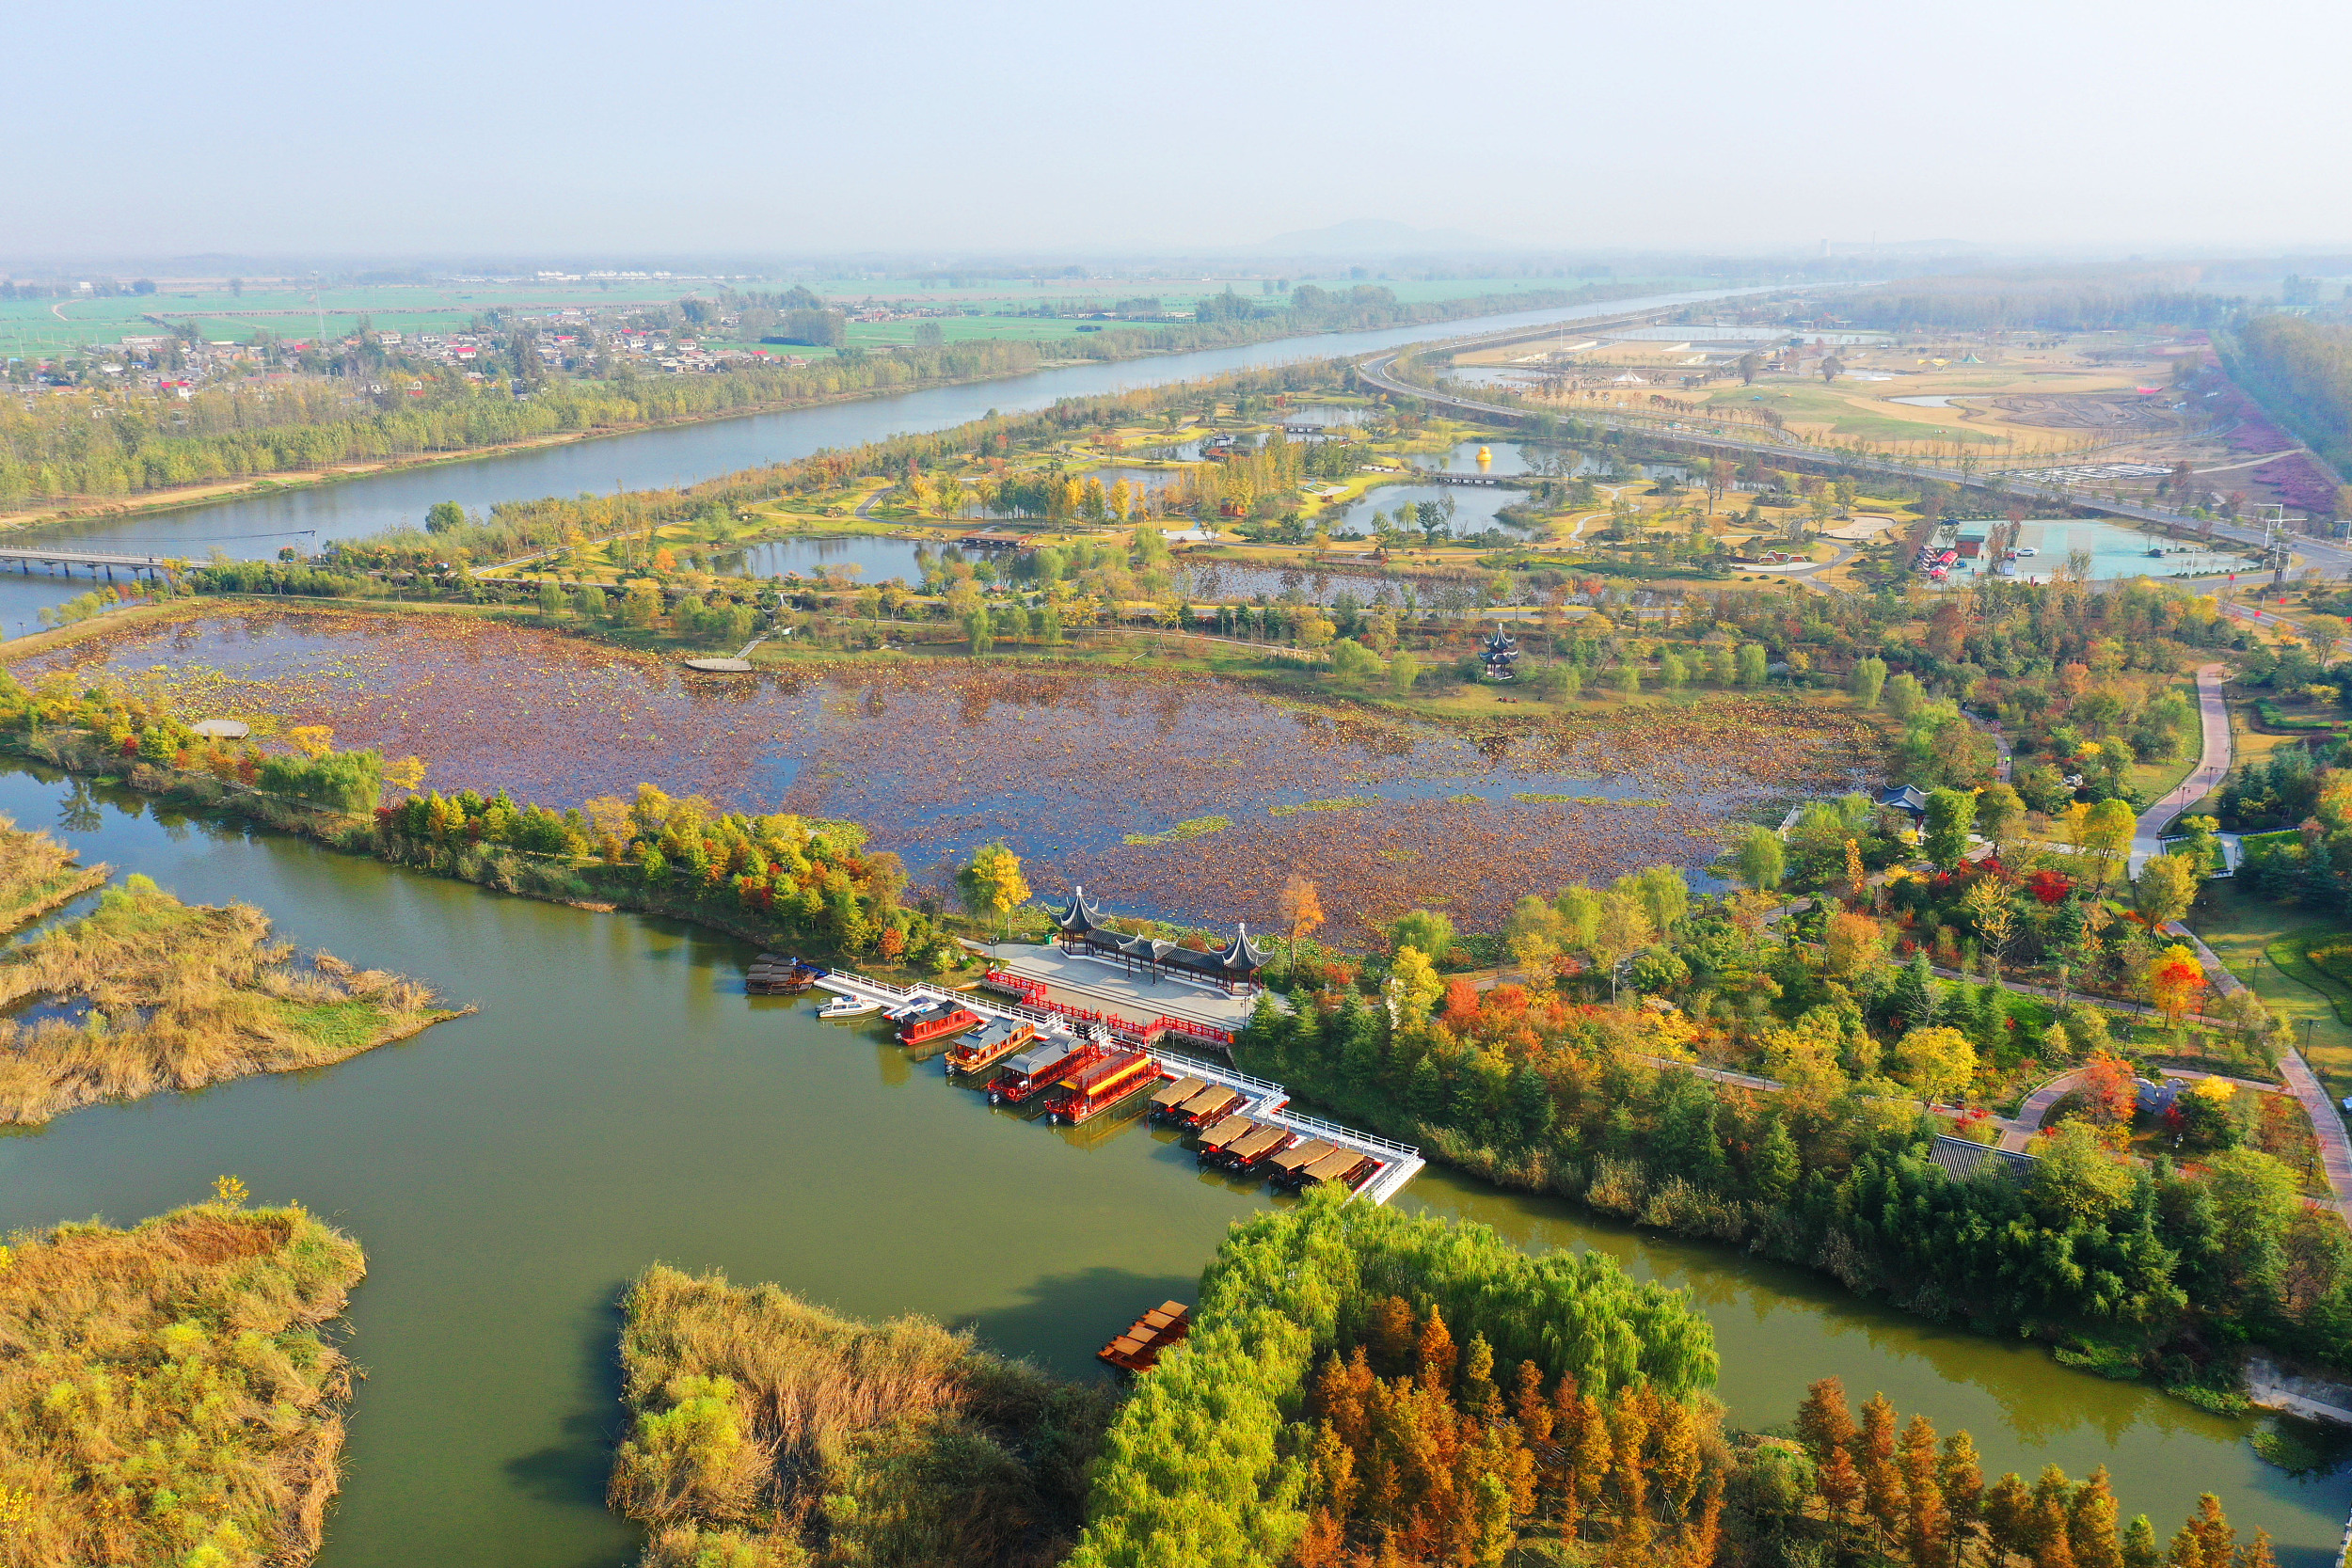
{"x": 2211, "y": 767}
{"x": 2335, "y": 1145}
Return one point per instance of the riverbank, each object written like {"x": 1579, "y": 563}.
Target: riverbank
{"x": 1229, "y": 336}
{"x": 125, "y": 1345}
{"x": 619, "y": 1100}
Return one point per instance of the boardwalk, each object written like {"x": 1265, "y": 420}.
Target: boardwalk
{"x": 1264, "y": 1101}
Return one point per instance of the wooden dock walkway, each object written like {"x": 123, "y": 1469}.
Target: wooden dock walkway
{"x": 1263, "y": 1099}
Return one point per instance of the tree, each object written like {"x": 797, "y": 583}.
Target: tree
{"x": 2106, "y": 835}
{"x": 2000, "y": 812}
{"x": 1413, "y": 987}
{"x": 1664, "y": 895}
{"x": 1994, "y": 913}
{"x": 1425, "y": 930}
{"x": 1404, "y": 669}
{"x": 1532, "y": 934}
{"x": 1852, "y": 945}
{"x": 1832, "y": 368}
{"x": 1352, "y": 661}
{"x": 1752, "y": 667}
{"x": 2107, "y": 1092}
{"x": 1951, "y": 814}
{"x": 1624, "y": 929}
{"x": 2175, "y": 983}
{"x": 992, "y": 883}
{"x": 1867, "y": 680}
{"x": 1761, "y": 860}
{"x": 1937, "y": 1062}
{"x": 2163, "y": 890}
{"x": 2077, "y": 1178}
{"x": 444, "y": 517}
{"x": 1299, "y": 909}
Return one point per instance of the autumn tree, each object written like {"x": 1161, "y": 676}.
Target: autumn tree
{"x": 1299, "y": 909}
{"x": 993, "y": 884}
{"x": 2164, "y": 888}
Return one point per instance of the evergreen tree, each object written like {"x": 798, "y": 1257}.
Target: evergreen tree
{"x": 1425, "y": 1091}
{"x": 1531, "y": 1103}
{"x": 1915, "y": 993}
{"x": 1776, "y": 1164}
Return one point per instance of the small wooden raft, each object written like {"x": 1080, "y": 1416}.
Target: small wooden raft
{"x": 1139, "y": 1349}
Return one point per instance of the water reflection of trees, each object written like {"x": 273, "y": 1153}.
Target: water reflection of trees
{"x": 2038, "y": 1399}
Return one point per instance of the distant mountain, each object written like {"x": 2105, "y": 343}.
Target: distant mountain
{"x": 1374, "y": 237}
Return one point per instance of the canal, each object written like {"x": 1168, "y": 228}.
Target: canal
{"x": 305, "y": 517}
{"x": 617, "y": 1101}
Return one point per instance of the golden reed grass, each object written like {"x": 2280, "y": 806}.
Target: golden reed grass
{"x": 164, "y": 1394}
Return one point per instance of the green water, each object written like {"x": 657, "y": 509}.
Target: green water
{"x": 617, "y": 1101}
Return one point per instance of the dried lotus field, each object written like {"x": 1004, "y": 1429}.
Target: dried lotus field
{"x": 1186, "y": 798}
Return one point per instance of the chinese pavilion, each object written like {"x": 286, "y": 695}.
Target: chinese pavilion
{"x": 1081, "y": 931}
{"x": 1501, "y": 654}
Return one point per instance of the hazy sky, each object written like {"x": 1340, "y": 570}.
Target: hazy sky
{"x": 496, "y": 127}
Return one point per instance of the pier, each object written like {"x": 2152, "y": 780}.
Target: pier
{"x": 1261, "y": 1100}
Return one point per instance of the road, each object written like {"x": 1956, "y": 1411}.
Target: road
{"x": 2213, "y": 766}
{"x": 2326, "y": 557}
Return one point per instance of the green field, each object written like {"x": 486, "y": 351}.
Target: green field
{"x": 1806, "y": 403}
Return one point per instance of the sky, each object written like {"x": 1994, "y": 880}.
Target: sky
{"x": 531, "y": 127}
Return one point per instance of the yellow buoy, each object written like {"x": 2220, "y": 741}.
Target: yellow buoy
{"x": 1485, "y": 457}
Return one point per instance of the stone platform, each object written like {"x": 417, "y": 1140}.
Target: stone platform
{"x": 1103, "y": 985}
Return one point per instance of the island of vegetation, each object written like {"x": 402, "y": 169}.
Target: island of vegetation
{"x": 1359, "y": 1388}
{"x": 168, "y": 1393}
{"x": 145, "y": 993}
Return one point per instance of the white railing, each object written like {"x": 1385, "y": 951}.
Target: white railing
{"x": 1346, "y": 1134}
{"x": 1258, "y": 1087}
{"x": 1272, "y": 1098}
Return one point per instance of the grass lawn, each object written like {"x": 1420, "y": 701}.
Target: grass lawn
{"x": 2263, "y": 945}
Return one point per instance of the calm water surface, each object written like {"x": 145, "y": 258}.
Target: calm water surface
{"x": 616, "y": 1100}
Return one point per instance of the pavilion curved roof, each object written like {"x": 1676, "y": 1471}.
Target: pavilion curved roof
{"x": 1079, "y": 916}
{"x": 1241, "y": 957}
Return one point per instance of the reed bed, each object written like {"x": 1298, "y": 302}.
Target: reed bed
{"x": 146, "y": 993}
{"x": 38, "y": 875}
{"x": 772, "y": 1434}
{"x": 165, "y": 1396}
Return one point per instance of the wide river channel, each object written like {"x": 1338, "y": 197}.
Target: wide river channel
{"x": 308, "y": 517}
{"x": 617, "y": 1099}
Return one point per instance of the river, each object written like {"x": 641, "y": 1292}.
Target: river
{"x": 618, "y": 1100}
{"x": 307, "y": 516}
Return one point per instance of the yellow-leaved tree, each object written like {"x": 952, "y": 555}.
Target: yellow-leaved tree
{"x": 992, "y": 883}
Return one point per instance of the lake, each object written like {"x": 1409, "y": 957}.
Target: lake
{"x": 1081, "y": 773}
{"x": 618, "y": 1100}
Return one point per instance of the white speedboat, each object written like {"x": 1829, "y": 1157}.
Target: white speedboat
{"x": 849, "y": 1007}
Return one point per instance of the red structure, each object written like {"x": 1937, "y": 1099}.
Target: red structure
{"x": 1039, "y": 1069}
{"x": 935, "y": 1022}
{"x": 1099, "y": 1085}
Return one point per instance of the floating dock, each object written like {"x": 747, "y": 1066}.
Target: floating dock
{"x": 1391, "y": 1165}
{"x": 1139, "y": 1349}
